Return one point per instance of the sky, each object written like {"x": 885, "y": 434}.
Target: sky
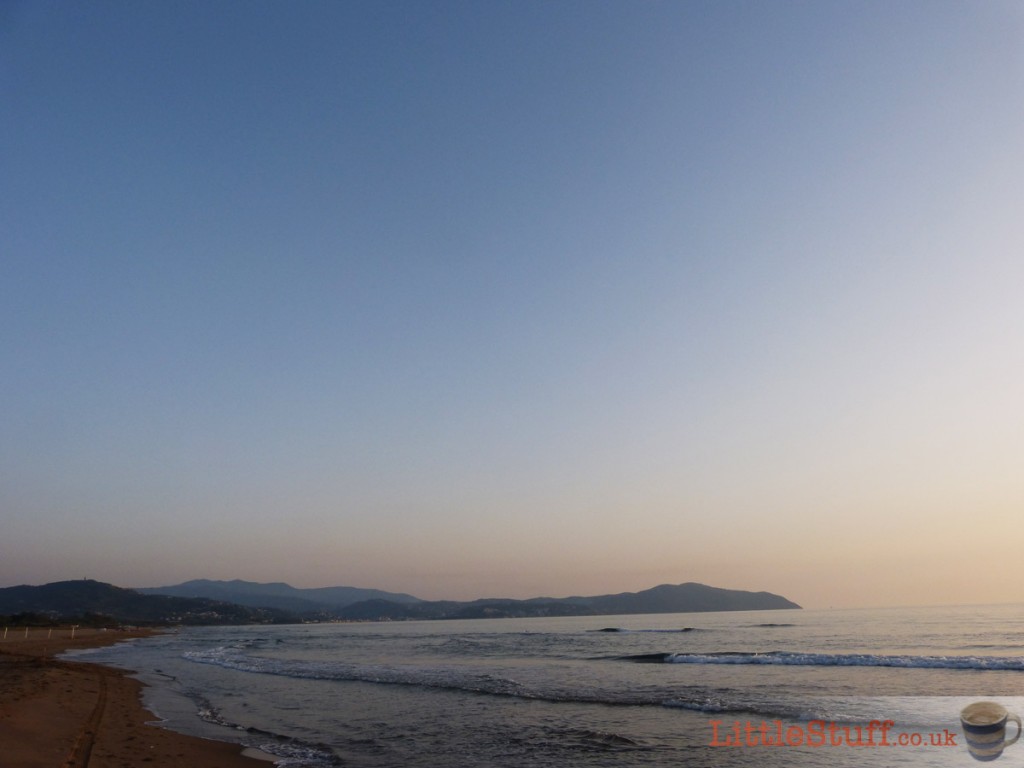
{"x": 478, "y": 299}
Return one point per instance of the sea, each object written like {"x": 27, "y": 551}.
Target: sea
{"x": 733, "y": 689}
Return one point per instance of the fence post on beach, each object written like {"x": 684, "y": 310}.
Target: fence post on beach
{"x": 5, "y": 633}
{"x": 73, "y": 628}
{"x": 49, "y": 634}
{"x": 26, "y": 633}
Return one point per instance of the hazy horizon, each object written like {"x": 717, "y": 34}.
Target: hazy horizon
{"x": 465, "y": 300}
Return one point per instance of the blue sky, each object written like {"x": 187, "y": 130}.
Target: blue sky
{"x": 469, "y": 299}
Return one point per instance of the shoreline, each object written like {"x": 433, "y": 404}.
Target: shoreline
{"x": 77, "y": 714}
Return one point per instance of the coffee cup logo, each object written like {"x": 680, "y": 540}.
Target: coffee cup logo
{"x": 984, "y": 724}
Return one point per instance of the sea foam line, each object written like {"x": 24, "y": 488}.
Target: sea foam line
{"x": 468, "y": 681}
{"x": 786, "y": 658}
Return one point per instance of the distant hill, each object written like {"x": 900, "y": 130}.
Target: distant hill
{"x": 666, "y": 598}
{"x": 93, "y": 600}
{"x": 280, "y": 603}
{"x": 328, "y": 600}
{"x": 687, "y": 598}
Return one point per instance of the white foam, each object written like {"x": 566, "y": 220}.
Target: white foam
{"x": 782, "y": 658}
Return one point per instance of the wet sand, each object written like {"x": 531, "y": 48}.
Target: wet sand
{"x": 65, "y": 714}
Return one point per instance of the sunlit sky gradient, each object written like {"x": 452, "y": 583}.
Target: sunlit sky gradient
{"x": 512, "y": 298}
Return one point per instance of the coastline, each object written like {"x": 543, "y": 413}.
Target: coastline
{"x": 76, "y": 714}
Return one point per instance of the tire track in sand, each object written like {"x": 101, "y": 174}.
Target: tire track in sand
{"x": 81, "y": 751}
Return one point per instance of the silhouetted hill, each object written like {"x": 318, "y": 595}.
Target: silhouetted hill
{"x": 71, "y": 599}
{"x": 666, "y": 598}
{"x": 67, "y": 600}
{"x": 279, "y": 595}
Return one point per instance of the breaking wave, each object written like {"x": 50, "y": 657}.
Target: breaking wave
{"x": 788, "y": 658}
{"x": 470, "y": 681}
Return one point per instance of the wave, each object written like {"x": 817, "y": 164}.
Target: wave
{"x": 788, "y": 658}
{"x": 434, "y": 677}
{"x": 700, "y": 698}
{"x": 289, "y": 750}
{"x": 471, "y": 681}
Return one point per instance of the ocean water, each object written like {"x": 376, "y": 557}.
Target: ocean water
{"x": 702, "y": 689}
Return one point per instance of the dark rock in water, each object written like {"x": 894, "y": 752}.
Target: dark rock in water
{"x": 646, "y": 658}
{"x": 607, "y": 739}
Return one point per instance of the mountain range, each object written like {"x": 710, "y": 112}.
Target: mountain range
{"x": 86, "y": 601}
{"x": 666, "y": 598}
{"x": 204, "y": 601}
{"x": 278, "y": 595}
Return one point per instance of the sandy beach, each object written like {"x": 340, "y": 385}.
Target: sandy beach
{"x": 63, "y": 714}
